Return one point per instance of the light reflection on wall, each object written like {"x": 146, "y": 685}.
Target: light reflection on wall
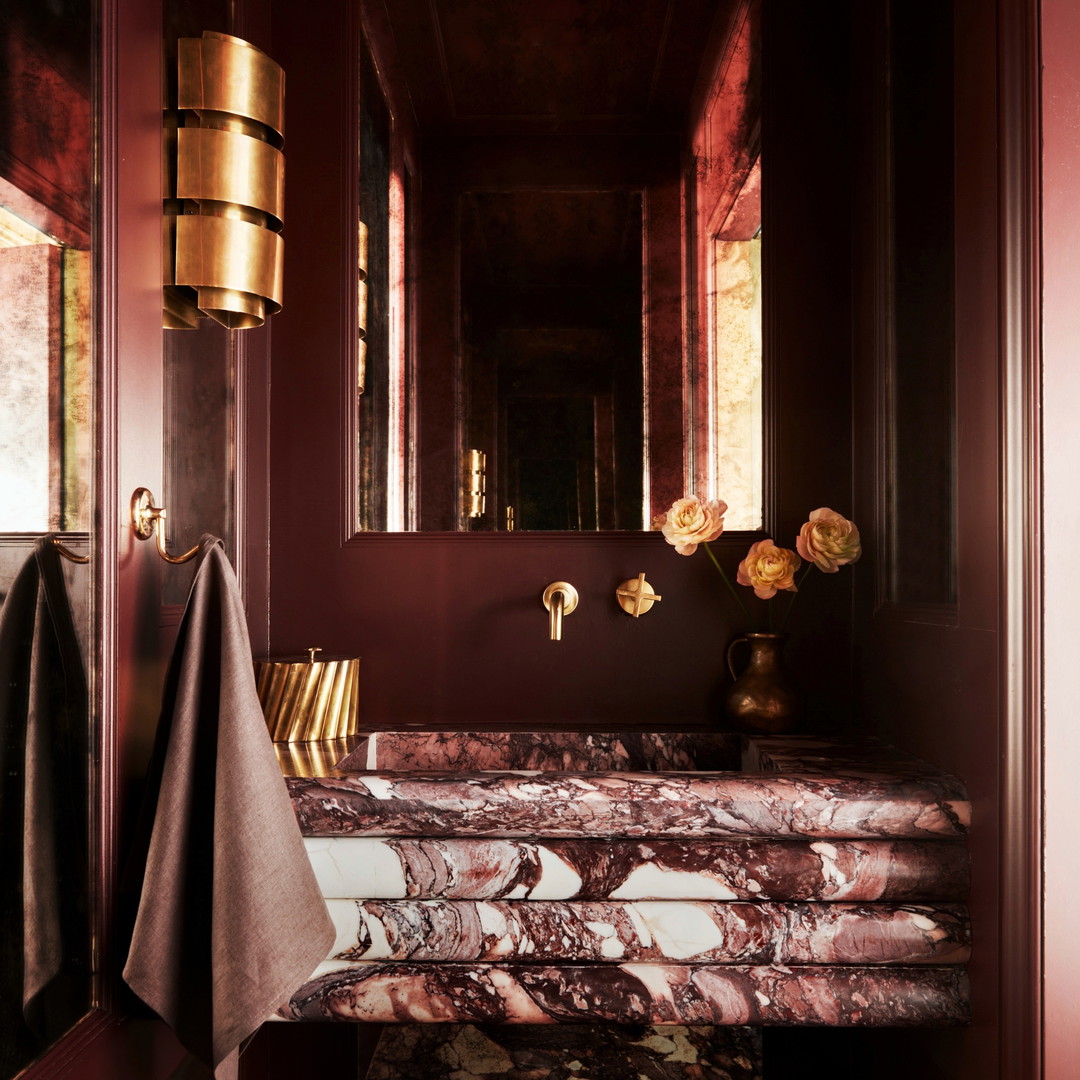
{"x": 735, "y": 457}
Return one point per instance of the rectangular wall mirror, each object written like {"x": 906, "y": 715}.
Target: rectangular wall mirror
{"x": 558, "y": 318}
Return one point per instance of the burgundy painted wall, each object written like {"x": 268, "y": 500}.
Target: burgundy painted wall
{"x": 450, "y": 627}
{"x": 932, "y": 680}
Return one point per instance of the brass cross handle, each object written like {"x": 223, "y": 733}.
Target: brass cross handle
{"x": 636, "y": 596}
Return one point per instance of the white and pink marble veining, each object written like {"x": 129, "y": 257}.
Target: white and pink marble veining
{"x": 650, "y": 931}
{"x": 837, "y": 996}
{"x": 789, "y": 786}
{"x": 533, "y": 878}
{"x": 550, "y": 751}
{"x": 627, "y": 804}
{"x": 485, "y": 868}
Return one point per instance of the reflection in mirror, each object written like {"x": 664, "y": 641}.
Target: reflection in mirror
{"x": 46, "y": 492}
{"x": 552, "y": 356}
{"x": 377, "y": 374}
{"x": 585, "y": 322}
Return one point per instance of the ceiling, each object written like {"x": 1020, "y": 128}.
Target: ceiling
{"x": 542, "y": 239}
{"x": 511, "y": 66}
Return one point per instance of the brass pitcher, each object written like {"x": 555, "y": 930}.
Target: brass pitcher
{"x": 762, "y": 699}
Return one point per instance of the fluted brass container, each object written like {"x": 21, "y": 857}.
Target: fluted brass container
{"x": 305, "y": 698}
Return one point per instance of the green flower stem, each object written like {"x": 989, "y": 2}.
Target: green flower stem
{"x": 791, "y": 602}
{"x": 727, "y": 582}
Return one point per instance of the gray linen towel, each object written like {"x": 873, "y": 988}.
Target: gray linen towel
{"x": 230, "y": 919}
{"x": 45, "y": 966}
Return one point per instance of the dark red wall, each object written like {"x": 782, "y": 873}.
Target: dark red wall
{"x": 450, "y": 627}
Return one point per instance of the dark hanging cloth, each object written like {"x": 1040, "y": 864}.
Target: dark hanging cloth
{"x": 45, "y": 962}
{"x": 230, "y": 919}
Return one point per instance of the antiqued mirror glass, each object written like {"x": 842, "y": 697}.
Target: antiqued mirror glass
{"x": 547, "y": 318}
{"x": 47, "y": 570}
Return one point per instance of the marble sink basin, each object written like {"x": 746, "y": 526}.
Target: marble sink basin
{"x": 660, "y": 784}
{"x": 634, "y": 877}
{"x": 545, "y": 751}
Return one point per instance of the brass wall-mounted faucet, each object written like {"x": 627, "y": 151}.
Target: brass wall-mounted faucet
{"x": 560, "y": 598}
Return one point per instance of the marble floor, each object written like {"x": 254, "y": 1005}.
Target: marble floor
{"x": 565, "y": 1052}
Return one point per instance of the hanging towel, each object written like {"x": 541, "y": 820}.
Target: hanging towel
{"x": 230, "y": 919}
{"x": 45, "y": 967}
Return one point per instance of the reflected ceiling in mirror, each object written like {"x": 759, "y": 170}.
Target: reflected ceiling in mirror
{"x": 551, "y": 308}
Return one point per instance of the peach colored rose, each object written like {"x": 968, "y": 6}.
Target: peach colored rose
{"x": 690, "y": 522}
{"x": 829, "y": 541}
{"x": 769, "y": 568}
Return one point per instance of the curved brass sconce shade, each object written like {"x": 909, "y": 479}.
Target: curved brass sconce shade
{"x": 226, "y": 254}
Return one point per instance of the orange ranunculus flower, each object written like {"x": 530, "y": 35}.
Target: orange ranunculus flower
{"x": 690, "y": 522}
{"x": 769, "y": 568}
{"x": 829, "y": 541}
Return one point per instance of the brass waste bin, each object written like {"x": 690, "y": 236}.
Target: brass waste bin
{"x": 305, "y": 699}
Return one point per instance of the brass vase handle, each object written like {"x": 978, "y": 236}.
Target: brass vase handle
{"x": 730, "y": 649}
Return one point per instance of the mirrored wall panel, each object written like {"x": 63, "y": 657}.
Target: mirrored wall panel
{"x": 47, "y": 567}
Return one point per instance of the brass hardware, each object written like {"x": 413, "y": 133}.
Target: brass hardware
{"x": 361, "y": 249}
{"x": 509, "y": 519}
{"x": 225, "y": 215}
{"x": 560, "y": 598}
{"x": 68, "y": 553}
{"x": 305, "y": 699}
{"x": 635, "y": 596}
{"x": 149, "y": 520}
{"x": 361, "y": 306}
{"x": 475, "y": 481}
{"x": 311, "y": 758}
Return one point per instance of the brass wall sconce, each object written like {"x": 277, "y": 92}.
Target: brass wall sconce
{"x": 475, "y": 483}
{"x": 224, "y": 252}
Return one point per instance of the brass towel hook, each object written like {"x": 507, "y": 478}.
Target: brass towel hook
{"x": 149, "y": 520}
{"x": 68, "y": 553}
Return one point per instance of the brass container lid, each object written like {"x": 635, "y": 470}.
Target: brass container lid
{"x": 304, "y": 698}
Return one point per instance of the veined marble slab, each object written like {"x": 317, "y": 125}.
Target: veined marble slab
{"x": 553, "y": 751}
{"x": 650, "y": 930}
{"x": 632, "y": 994}
{"x": 627, "y": 804}
{"x": 815, "y": 755}
{"x": 568, "y": 1052}
{"x": 376, "y": 868}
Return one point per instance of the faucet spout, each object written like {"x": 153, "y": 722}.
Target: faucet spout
{"x": 560, "y": 598}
